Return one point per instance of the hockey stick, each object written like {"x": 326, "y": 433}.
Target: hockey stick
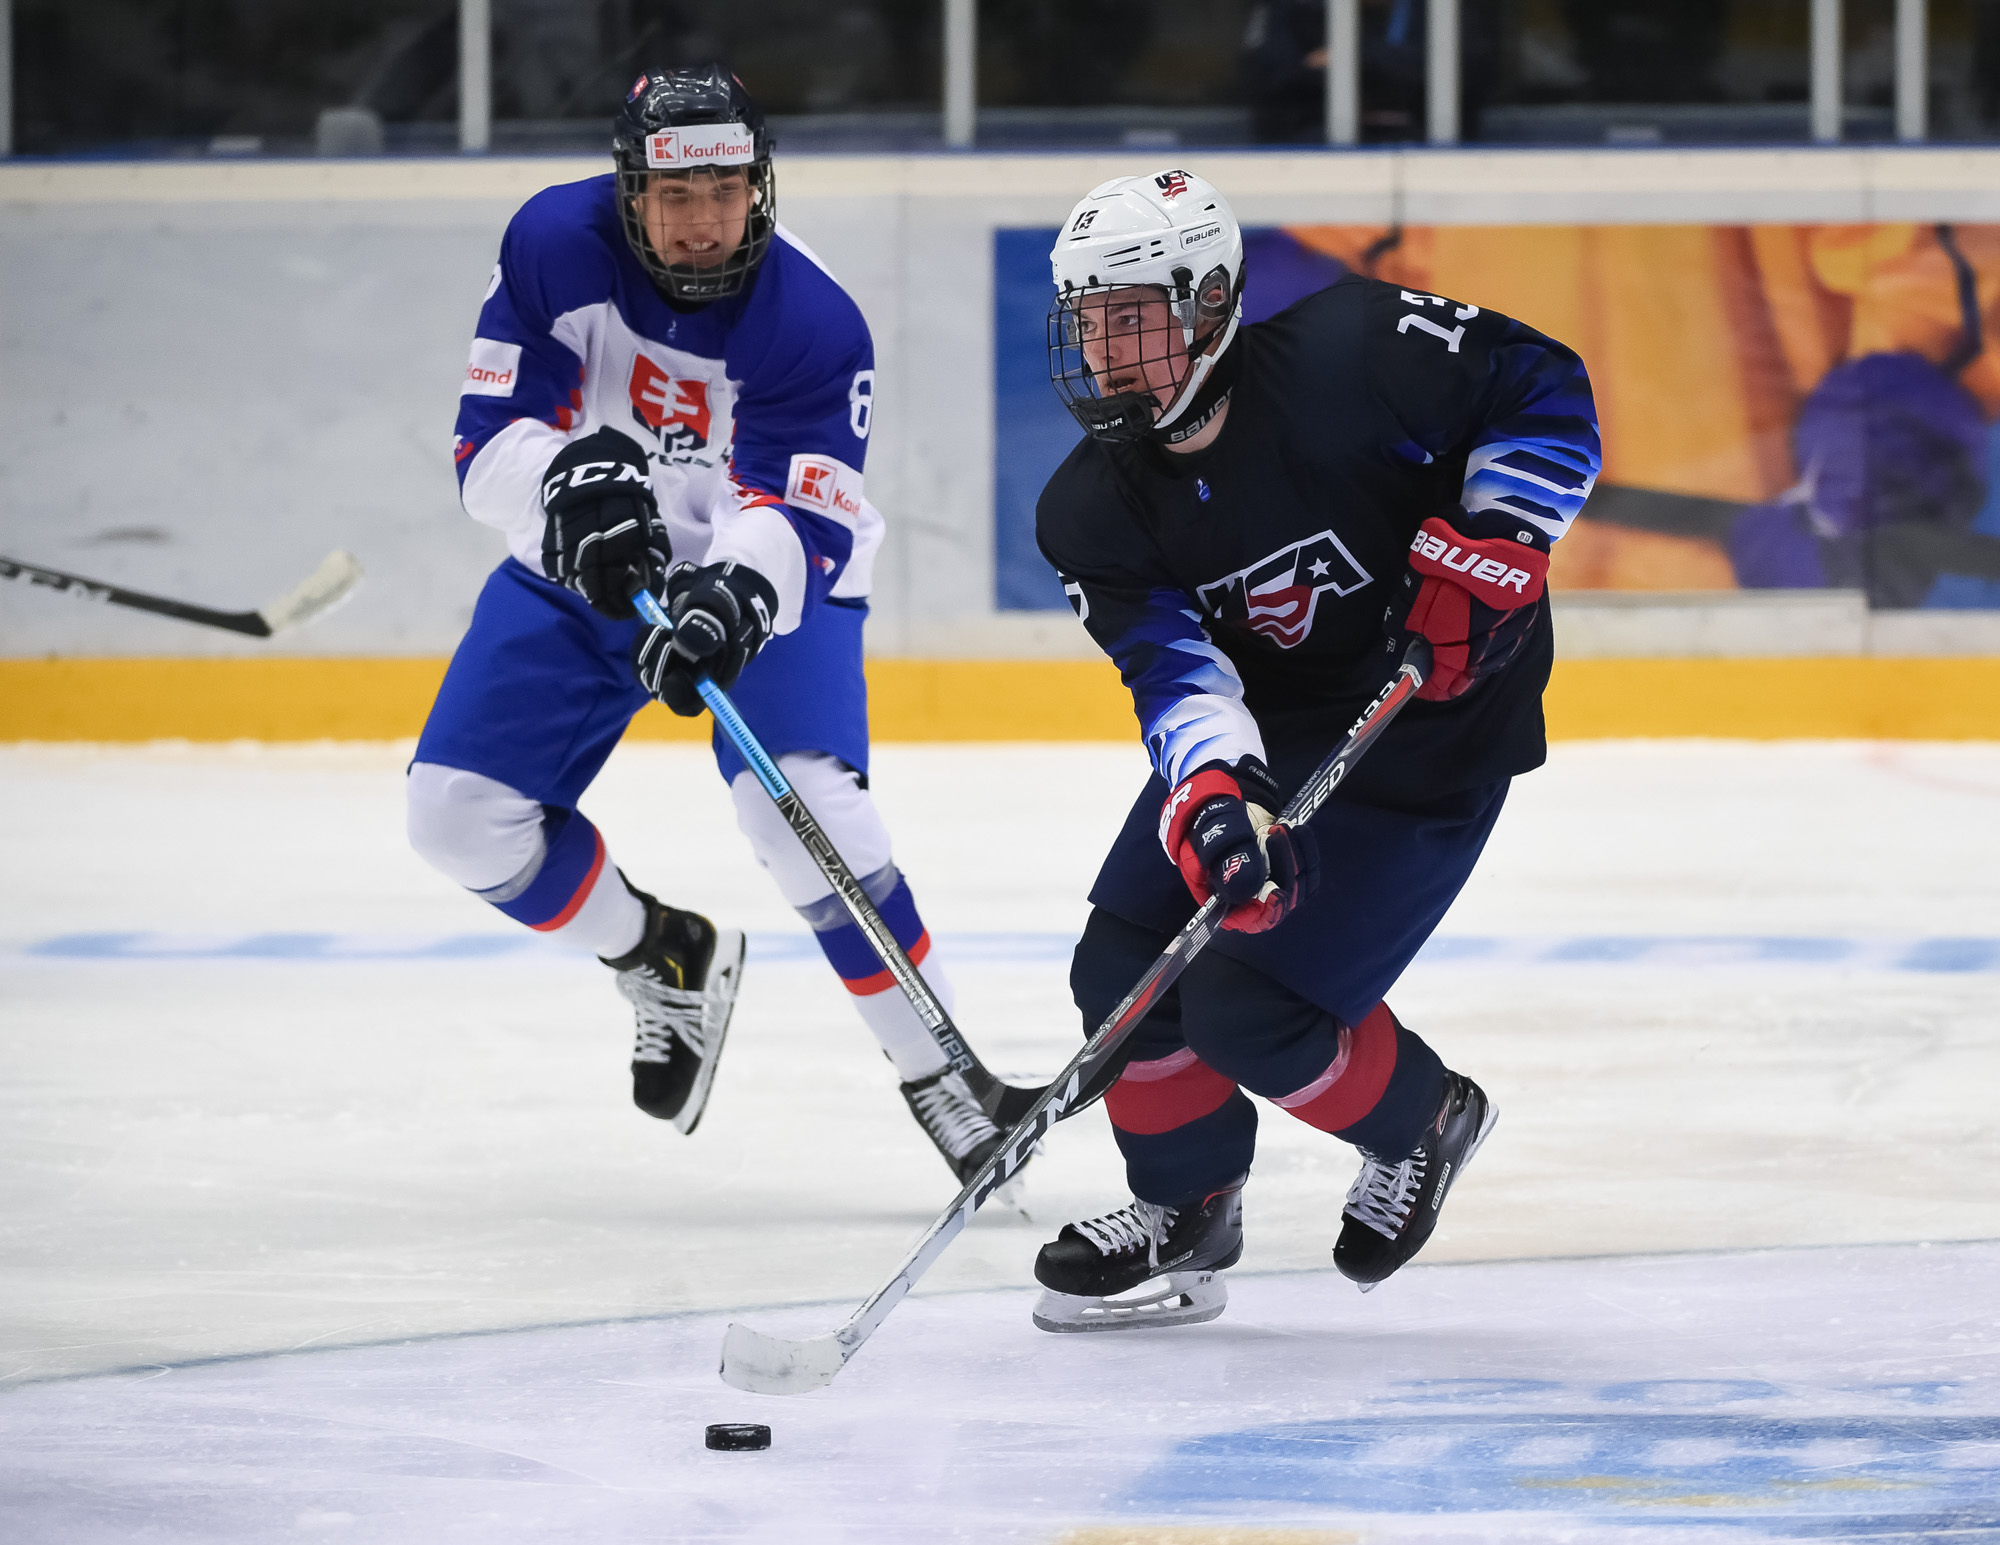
{"x": 330, "y": 583}
{"x": 1004, "y": 1103}
{"x": 773, "y": 1365}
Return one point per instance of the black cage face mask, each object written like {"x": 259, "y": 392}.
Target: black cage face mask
{"x": 1141, "y": 337}
{"x": 687, "y": 281}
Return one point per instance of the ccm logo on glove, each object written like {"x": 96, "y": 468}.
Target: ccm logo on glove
{"x": 602, "y": 534}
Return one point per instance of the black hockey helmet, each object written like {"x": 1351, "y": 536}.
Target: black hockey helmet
{"x": 685, "y": 124}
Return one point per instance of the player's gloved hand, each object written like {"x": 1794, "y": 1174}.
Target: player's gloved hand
{"x": 603, "y": 534}
{"x": 1218, "y": 829}
{"x": 1474, "y": 598}
{"x": 721, "y": 615}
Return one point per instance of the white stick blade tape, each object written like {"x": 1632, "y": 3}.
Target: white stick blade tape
{"x": 322, "y": 590}
{"x": 771, "y": 1365}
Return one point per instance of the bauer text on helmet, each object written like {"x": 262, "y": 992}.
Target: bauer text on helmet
{"x": 1149, "y": 282}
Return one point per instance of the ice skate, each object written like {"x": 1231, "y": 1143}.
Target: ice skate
{"x": 681, "y": 981}
{"x": 954, "y": 1120}
{"x": 1392, "y": 1207}
{"x": 1141, "y": 1265}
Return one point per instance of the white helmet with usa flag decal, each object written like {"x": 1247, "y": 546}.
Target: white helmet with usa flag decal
{"x": 1170, "y": 232}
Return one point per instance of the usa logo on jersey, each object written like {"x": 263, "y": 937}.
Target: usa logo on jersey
{"x": 1277, "y": 595}
{"x": 1171, "y": 185}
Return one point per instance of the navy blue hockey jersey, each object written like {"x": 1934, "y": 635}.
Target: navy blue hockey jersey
{"x": 1242, "y": 589}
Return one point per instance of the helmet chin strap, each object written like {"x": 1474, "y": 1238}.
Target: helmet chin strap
{"x": 1193, "y": 407}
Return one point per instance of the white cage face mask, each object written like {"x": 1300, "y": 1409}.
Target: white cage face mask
{"x": 1130, "y": 360}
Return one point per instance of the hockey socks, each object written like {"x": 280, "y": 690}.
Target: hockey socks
{"x": 1381, "y": 1089}
{"x": 1179, "y": 1124}
{"x": 542, "y": 865}
{"x": 573, "y": 891}
{"x": 877, "y": 998}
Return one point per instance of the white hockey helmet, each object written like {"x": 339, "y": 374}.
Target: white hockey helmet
{"x": 1173, "y": 231}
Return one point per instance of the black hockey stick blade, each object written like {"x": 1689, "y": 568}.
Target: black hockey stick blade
{"x": 777, "y": 1365}
{"x": 318, "y": 593}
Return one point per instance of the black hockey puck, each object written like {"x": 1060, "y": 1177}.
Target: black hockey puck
{"x": 739, "y": 1435}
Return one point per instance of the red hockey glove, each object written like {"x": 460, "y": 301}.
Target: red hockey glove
{"x": 1474, "y": 598}
{"x": 1228, "y": 845}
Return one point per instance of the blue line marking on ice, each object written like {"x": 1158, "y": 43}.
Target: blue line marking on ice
{"x": 1658, "y": 952}
{"x": 1953, "y": 955}
{"x": 1802, "y": 1477}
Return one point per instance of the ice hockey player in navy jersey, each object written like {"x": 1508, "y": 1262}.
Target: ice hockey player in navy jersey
{"x": 1257, "y": 521}
{"x": 668, "y": 388}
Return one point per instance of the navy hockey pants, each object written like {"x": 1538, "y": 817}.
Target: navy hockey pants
{"x": 1294, "y": 1015}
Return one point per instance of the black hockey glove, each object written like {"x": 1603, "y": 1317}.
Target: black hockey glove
{"x": 721, "y": 615}
{"x": 1474, "y": 598}
{"x": 604, "y": 535}
{"x": 1218, "y": 829}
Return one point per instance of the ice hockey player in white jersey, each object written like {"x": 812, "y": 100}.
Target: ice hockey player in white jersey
{"x": 668, "y": 388}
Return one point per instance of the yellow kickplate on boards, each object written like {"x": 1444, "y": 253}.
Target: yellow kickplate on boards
{"x": 1202, "y": 1534}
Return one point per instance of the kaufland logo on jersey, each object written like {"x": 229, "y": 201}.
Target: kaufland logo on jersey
{"x": 825, "y": 484}
{"x": 1277, "y": 596}
{"x": 493, "y": 370}
{"x": 705, "y": 144}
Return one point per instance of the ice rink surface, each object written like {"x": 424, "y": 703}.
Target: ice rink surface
{"x": 323, "y": 1213}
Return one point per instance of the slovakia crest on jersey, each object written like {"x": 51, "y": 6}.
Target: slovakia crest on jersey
{"x": 1277, "y": 595}
{"x": 676, "y": 411}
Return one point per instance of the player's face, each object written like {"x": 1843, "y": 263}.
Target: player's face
{"x": 1132, "y": 342}
{"x": 695, "y": 219}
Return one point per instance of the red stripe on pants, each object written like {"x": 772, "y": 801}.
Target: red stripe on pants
{"x": 1152, "y": 1097}
{"x": 1371, "y": 1058}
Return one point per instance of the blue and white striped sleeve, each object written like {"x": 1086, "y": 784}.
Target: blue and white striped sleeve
{"x": 1535, "y": 457}
{"x": 1460, "y": 381}
{"x": 1186, "y": 693}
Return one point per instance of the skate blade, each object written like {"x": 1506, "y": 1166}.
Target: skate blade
{"x": 1179, "y": 1298}
{"x": 1012, "y": 1198}
{"x": 719, "y": 1003}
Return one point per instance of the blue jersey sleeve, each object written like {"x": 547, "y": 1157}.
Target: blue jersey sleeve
{"x": 807, "y": 370}
{"x": 522, "y": 394}
{"x": 1514, "y": 402}
{"x": 519, "y": 370}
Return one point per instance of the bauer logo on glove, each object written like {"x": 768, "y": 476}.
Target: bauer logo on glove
{"x": 1473, "y": 598}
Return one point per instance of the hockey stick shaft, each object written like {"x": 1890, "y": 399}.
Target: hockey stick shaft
{"x": 251, "y": 623}
{"x": 826, "y": 857}
{"x": 331, "y": 581}
{"x": 771, "y": 1365}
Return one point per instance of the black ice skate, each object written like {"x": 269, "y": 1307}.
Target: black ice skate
{"x": 1173, "y": 1253}
{"x": 953, "y": 1119}
{"x": 681, "y": 982}
{"x": 1393, "y": 1206}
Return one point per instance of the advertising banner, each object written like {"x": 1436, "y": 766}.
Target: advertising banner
{"x": 1783, "y": 406}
